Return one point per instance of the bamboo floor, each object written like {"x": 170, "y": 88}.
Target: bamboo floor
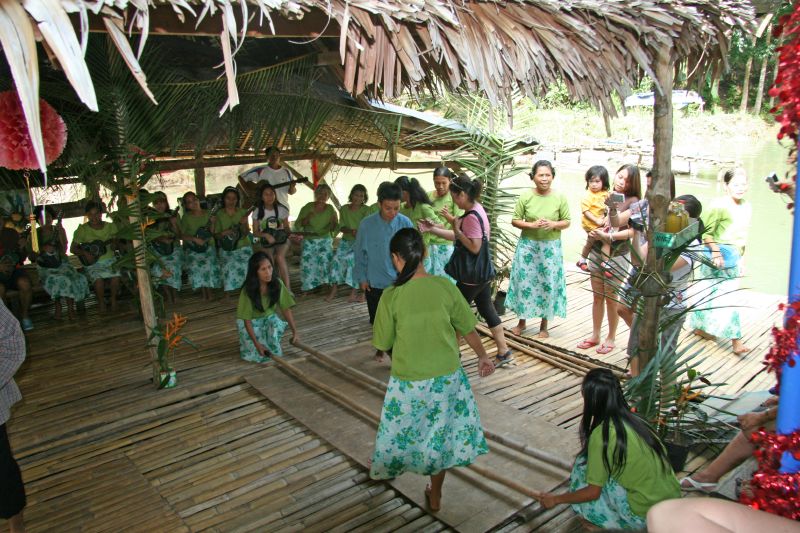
{"x": 101, "y": 450}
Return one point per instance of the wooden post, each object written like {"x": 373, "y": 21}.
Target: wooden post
{"x": 659, "y": 196}
{"x": 200, "y": 180}
{"x": 762, "y": 77}
{"x": 746, "y": 82}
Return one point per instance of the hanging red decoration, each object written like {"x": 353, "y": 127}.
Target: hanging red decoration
{"x": 315, "y": 172}
{"x": 16, "y": 147}
{"x": 786, "y": 87}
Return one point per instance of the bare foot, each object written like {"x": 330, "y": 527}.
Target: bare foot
{"x": 543, "y": 334}
{"x": 703, "y": 334}
{"x": 434, "y": 500}
{"x": 362, "y": 298}
{"x": 518, "y": 329}
{"x": 739, "y": 348}
{"x": 352, "y": 298}
{"x": 330, "y": 296}
{"x": 380, "y": 357}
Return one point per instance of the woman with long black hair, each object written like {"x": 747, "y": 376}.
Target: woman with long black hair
{"x": 417, "y": 206}
{"x": 263, "y": 294}
{"x": 622, "y": 469}
{"x": 430, "y": 421}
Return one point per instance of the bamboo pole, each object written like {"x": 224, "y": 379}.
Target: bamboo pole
{"x": 500, "y": 439}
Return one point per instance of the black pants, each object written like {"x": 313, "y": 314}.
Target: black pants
{"x": 12, "y": 491}
{"x": 373, "y": 297}
{"x": 482, "y": 296}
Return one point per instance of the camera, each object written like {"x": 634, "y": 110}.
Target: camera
{"x": 772, "y": 182}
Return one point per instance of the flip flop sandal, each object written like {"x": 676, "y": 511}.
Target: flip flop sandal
{"x": 605, "y": 348}
{"x": 586, "y": 344}
{"x": 503, "y": 360}
{"x": 697, "y": 486}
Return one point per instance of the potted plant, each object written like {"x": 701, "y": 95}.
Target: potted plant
{"x": 166, "y": 340}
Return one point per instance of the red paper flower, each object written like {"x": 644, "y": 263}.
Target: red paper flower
{"x": 16, "y": 147}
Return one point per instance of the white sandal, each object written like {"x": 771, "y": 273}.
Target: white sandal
{"x": 697, "y": 486}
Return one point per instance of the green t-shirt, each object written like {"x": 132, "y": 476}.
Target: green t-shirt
{"x": 246, "y": 311}
{"x": 438, "y": 203}
{"x": 531, "y": 207}
{"x": 646, "y": 479}
{"x": 320, "y": 223}
{"x": 417, "y": 213}
{"x": 417, "y": 321}
{"x": 374, "y": 208}
{"x": 86, "y": 234}
{"x": 728, "y": 223}
{"x": 349, "y": 219}
{"x": 226, "y": 221}
{"x": 189, "y": 224}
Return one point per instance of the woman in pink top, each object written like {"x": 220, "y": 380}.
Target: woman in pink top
{"x": 469, "y": 230}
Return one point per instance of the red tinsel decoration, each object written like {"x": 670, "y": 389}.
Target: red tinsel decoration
{"x": 771, "y": 490}
{"x": 787, "y": 84}
{"x": 16, "y": 148}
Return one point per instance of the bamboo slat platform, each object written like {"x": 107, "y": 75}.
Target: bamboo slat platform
{"x": 100, "y": 449}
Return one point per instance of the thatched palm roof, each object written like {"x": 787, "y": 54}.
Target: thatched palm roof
{"x": 595, "y": 46}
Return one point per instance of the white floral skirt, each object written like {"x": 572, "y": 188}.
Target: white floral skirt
{"x": 344, "y": 260}
{"x": 203, "y": 268}
{"x": 168, "y": 269}
{"x": 427, "y": 426}
{"x": 537, "y": 287}
{"x": 268, "y": 330}
{"x": 438, "y": 256}
{"x": 611, "y": 510}
{"x": 234, "y": 267}
{"x": 315, "y": 263}
{"x": 101, "y": 270}
{"x": 63, "y": 282}
{"x": 718, "y": 312}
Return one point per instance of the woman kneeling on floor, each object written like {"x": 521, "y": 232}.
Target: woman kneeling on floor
{"x": 430, "y": 421}
{"x": 260, "y": 328}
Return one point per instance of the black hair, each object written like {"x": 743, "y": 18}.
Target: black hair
{"x": 271, "y": 149}
{"x": 416, "y": 194}
{"x": 542, "y": 163}
{"x": 442, "y": 171}
{"x": 389, "y": 191}
{"x": 472, "y": 188}
{"x": 92, "y": 205}
{"x": 185, "y": 195}
{"x": 694, "y": 209}
{"x": 633, "y": 184}
{"x": 260, "y": 200}
{"x": 323, "y": 187}
{"x": 37, "y": 211}
{"x": 598, "y": 171}
{"x": 603, "y": 405}
{"x": 729, "y": 174}
{"x": 671, "y": 183}
{"x": 252, "y": 286}
{"x": 358, "y": 188}
{"x": 234, "y": 190}
{"x": 409, "y": 246}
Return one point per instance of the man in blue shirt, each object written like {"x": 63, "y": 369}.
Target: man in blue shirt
{"x": 373, "y": 268}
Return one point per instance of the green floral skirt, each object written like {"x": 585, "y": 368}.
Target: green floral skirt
{"x": 234, "y": 267}
{"x": 315, "y": 263}
{"x": 427, "y": 426}
{"x": 611, "y": 510}
{"x": 168, "y": 271}
{"x": 537, "y": 287}
{"x": 203, "y": 268}
{"x": 344, "y": 259}
{"x": 438, "y": 256}
{"x": 718, "y": 313}
{"x": 268, "y": 330}
{"x": 63, "y": 282}
{"x": 101, "y": 270}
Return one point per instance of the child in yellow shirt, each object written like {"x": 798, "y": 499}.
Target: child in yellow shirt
{"x": 593, "y": 210}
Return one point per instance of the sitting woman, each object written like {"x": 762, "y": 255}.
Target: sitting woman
{"x": 622, "y": 469}
{"x": 232, "y": 232}
{"x": 344, "y": 258}
{"x": 260, "y": 328}
{"x": 168, "y": 267}
{"x": 316, "y": 222}
{"x": 200, "y": 253}
{"x": 93, "y": 242}
{"x": 58, "y": 277}
{"x": 271, "y": 228}
{"x": 430, "y": 421}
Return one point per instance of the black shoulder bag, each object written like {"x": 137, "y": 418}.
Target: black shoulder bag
{"x": 469, "y": 268}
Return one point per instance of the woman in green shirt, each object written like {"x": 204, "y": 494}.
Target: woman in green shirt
{"x": 537, "y": 286}
{"x": 198, "y": 242}
{"x": 232, "y": 232}
{"x": 727, "y": 224}
{"x": 439, "y": 248}
{"x": 316, "y": 221}
{"x": 260, "y": 328}
{"x": 430, "y": 421}
{"x": 93, "y": 242}
{"x": 344, "y": 259}
{"x": 168, "y": 269}
{"x": 58, "y": 277}
{"x": 622, "y": 469}
{"x": 416, "y": 206}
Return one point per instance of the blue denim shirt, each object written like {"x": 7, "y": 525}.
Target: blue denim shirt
{"x": 373, "y": 262}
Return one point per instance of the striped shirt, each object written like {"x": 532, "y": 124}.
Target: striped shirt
{"x": 12, "y": 354}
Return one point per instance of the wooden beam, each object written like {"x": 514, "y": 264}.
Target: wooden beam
{"x": 184, "y": 163}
